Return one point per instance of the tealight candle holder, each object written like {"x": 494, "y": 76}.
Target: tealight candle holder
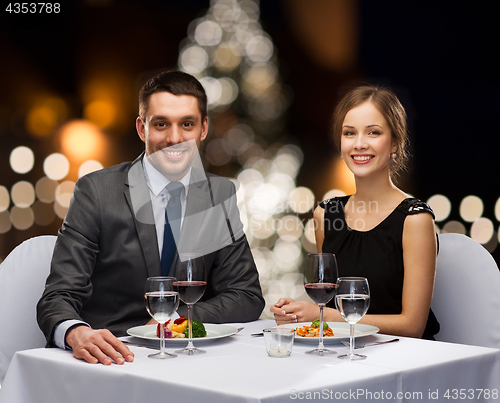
{"x": 279, "y": 341}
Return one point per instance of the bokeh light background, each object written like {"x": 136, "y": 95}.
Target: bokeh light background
{"x": 273, "y": 72}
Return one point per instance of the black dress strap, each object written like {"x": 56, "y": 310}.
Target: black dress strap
{"x": 415, "y": 206}
{"x": 333, "y": 203}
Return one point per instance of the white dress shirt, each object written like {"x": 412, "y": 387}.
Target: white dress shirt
{"x": 157, "y": 183}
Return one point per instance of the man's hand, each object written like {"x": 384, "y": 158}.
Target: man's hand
{"x": 152, "y": 322}
{"x": 96, "y": 346}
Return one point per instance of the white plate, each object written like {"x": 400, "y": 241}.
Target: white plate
{"x": 340, "y": 332}
{"x": 213, "y": 332}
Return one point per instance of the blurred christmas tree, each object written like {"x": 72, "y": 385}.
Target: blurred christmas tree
{"x": 236, "y": 62}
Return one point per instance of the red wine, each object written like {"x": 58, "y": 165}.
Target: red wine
{"x": 320, "y": 293}
{"x": 190, "y": 291}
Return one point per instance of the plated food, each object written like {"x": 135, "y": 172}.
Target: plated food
{"x": 312, "y": 330}
{"x": 179, "y": 329}
{"x": 214, "y": 332}
{"x": 340, "y": 332}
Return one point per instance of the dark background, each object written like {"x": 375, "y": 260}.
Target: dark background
{"x": 439, "y": 57}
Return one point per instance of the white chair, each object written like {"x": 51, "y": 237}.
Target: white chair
{"x": 22, "y": 281}
{"x": 466, "y": 297}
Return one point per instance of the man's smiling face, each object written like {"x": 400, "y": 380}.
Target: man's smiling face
{"x": 172, "y": 131}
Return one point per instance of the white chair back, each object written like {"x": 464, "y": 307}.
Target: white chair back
{"x": 466, "y": 297}
{"x": 22, "y": 281}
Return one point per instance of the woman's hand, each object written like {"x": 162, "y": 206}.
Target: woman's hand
{"x": 287, "y": 310}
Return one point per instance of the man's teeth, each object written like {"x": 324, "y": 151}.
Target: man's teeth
{"x": 174, "y": 153}
{"x": 361, "y": 157}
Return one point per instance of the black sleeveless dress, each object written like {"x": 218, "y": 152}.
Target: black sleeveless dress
{"x": 376, "y": 254}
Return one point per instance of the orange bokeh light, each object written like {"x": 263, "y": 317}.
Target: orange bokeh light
{"x": 107, "y": 98}
{"x": 343, "y": 178}
{"x": 41, "y": 121}
{"x": 82, "y": 140}
{"x": 43, "y": 118}
{"x": 100, "y": 112}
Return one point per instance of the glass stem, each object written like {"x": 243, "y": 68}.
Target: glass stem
{"x": 351, "y": 339}
{"x": 190, "y": 324}
{"x": 162, "y": 338}
{"x": 320, "y": 345}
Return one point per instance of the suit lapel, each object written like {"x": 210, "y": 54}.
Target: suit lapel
{"x": 136, "y": 193}
{"x": 198, "y": 202}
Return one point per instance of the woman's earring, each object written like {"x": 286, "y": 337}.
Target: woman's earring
{"x": 394, "y": 156}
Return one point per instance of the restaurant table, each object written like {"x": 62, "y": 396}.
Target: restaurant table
{"x": 237, "y": 369}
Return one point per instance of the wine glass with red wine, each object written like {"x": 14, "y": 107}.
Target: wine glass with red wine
{"x": 320, "y": 282}
{"x": 191, "y": 275}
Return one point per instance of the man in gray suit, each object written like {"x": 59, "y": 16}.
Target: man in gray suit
{"x": 112, "y": 238}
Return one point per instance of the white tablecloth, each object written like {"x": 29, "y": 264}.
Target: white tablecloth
{"x": 237, "y": 369}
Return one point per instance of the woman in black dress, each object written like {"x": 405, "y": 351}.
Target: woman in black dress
{"x": 379, "y": 232}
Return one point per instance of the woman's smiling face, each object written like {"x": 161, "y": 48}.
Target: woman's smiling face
{"x": 366, "y": 142}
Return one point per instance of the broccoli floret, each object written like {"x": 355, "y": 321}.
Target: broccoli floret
{"x": 198, "y": 329}
{"x": 316, "y": 324}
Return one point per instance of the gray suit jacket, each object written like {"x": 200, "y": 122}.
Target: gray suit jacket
{"x": 107, "y": 247}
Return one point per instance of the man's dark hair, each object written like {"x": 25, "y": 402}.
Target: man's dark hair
{"x": 176, "y": 83}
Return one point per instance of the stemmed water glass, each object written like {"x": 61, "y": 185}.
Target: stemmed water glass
{"x": 320, "y": 277}
{"x": 191, "y": 275}
{"x": 352, "y": 301}
{"x": 162, "y": 300}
